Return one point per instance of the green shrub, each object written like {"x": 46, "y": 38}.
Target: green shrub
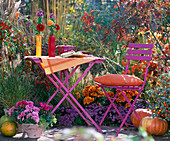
{"x": 160, "y": 97}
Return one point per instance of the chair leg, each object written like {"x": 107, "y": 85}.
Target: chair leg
{"x": 131, "y": 108}
{"x": 123, "y": 121}
{"x": 112, "y": 104}
{"x": 132, "y": 105}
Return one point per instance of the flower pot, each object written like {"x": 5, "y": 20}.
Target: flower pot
{"x": 20, "y": 129}
{"x": 38, "y": 45}
{"x": 51, "y": 46}
{"x": 33, "y": 130}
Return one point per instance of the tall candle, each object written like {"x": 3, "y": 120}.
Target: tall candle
{"x": 51, "y": 46}
{"x": 38, "y": 45}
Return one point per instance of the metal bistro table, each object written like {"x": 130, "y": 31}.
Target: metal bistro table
{"x": 50, "y": 65}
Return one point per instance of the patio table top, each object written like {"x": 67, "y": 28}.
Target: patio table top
{"x": 58, "y": 63}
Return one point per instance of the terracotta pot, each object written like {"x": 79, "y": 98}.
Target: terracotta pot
{"x": 20, "y": 129}
{"x": 33, "y": 130}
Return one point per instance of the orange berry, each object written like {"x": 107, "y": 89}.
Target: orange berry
{"x": 123, "y": 72}
{"x": 164, "y": 92}
{"x": 16, "y": 14}
{"x": 135, "y": 66}
{"x": 149, "y": 40}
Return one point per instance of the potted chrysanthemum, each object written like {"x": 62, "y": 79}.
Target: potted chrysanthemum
{"x": 32, "y": 118}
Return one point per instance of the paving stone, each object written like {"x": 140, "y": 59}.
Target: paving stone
{"x": 109, "y": 134}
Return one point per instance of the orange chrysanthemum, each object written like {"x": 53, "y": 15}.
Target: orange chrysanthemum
{"x": 50, "y": 22}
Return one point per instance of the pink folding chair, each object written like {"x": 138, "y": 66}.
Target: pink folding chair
{"x": 122, "y": 82}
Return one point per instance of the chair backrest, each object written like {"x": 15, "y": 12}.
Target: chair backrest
{"x": 141, "y": 52}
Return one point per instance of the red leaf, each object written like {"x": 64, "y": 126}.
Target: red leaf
{"x": 113, "y": 21}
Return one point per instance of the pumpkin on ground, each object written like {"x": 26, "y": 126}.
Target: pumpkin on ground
{"x": 9, "y": 128}
{"x": 141, "y": 113}
{"x": 154, "y": 126}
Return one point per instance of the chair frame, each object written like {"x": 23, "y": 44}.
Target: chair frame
{"x": 130, "y": 56}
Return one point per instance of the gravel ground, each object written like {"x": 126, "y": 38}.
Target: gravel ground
{"x": 109, "y": 134}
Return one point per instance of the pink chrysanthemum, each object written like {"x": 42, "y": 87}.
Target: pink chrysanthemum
{"x": 11, "y": 110}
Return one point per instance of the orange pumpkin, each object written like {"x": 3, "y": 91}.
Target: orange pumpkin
{"x": 154, "y": 126}
{"x": 141, "y": 113}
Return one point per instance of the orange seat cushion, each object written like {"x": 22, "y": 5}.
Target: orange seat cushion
{"x": 119, "y": 80}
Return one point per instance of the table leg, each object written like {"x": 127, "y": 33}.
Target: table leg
{"x": 52, "y": 96}
{"x": 68, "y": 101}
{"x": 60, "y": 83}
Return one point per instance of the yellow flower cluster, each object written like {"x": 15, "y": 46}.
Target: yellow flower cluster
{"x": 90, "y": 92}
{"x": 88, "y": 100}
{"x": 129, "y": 95}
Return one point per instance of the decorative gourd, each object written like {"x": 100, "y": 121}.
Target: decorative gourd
{"x": 154, "y": 126}
{"x": 141, "y": 113}
{"x": 5, "y": 118}
{"x": 9, "y": 128}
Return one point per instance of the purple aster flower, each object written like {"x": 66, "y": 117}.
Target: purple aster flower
{"x": 41, "y": 11}
{"x": 28, "y": 23}
{"x": 51, "y": 15}
{"x": 38, "y": 13}
{"x": 41, "y": 14}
